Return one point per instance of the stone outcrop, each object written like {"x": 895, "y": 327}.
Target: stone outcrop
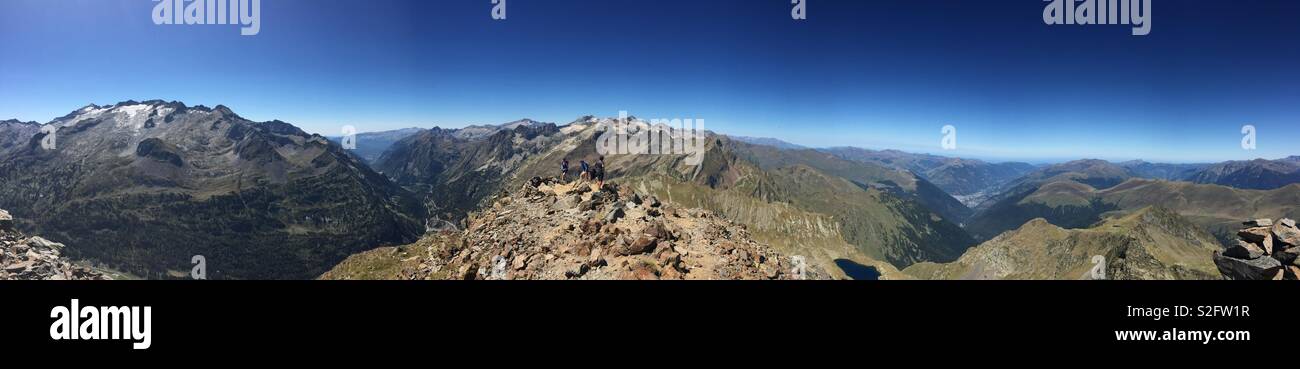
{"x": 558, "y": 231}
{"x": 35, "y": 258}
{"x": 1265, "y": 250}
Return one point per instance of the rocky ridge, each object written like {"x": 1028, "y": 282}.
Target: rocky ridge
{"x": 557, "y": 231}
{"x": 35, "y": 258}
{"x": 1265, "y": 250}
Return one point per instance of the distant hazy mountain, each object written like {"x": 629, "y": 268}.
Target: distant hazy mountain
{"x": 767, "y": 141}
{"x": 454, "y": 171}
{"x": 486, "y": 130}
{"x": 1256, "y": 174}
{"x": 1150, "y": 243}
{"x": 145, "y": 186}
{"x": 1080, "y": 194}
{"x": 970, "y": 181}
{"x": 371, "y": 145}
{"x": 1170, "y": 172}
{"x": 1059, "y": 193}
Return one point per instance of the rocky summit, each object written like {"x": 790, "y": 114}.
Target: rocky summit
{"x": 1264, "y": 250}
{"x": 35, "y": 258}
{"x": 556, "y": 231}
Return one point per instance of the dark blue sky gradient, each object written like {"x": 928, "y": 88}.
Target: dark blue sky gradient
{"x": 876, "y": 74}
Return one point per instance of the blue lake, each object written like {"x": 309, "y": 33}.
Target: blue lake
{"x": 857, "y": 271}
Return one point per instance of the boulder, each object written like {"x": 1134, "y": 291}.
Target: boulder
{"x": 1285, "y": 235}
{"x": 641, "y": 245}
{"x": 1262, "y": 236}
{"x": 38, "y": 242}
{"x": 566, "y": 202}
{"x": 657, "y": 230}
{"x": 641, "y": 271}
{"x": 614, "y": 214}
{"x": 468, "y": 272}
{"x": 20, "y": 267}
{"x": 597, "y": 259}
{"x": 1287, "y": 257}
{"x": 591, "y": 226}
{"x": 577, "y": 271}
{"x": 520, "y": 262}
{"x": 1262, "y": 222}
{"x": 1287, "y": 222}
{"x": 1243, "y": 269}
{"x": 1244, "y": 250}
{"x": 581, "y": 189}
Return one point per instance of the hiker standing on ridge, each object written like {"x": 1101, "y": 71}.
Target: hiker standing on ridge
{"x": 586, "y": 170}
{"x": 600, "y": 172}
{"x": 564, "y": 170}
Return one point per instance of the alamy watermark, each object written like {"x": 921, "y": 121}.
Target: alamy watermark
{"x": 800, "y": 9}
{"x": 498, "y": 9}
{"x": 349, "y": 139}
{"x": 200, "y": 270}
{"x": 949, "y": 140}
{"x": 1102, "y": 12}
{"x": 800, "y": 269}
{"x": 247, "y": 13}
{"x": 1248, "y": 137}
{"x": 49, "y": 142}
{"x": 1098, "y": 271}
{"x": 659, "y": 137}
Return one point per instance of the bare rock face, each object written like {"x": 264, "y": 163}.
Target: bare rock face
{"x": 35, "y": 258}
{"x": 1266, "y": 250}
{"x": 552, "y": 230}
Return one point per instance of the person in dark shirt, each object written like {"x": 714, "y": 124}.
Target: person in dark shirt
{"x": 564, "y": 170}
{"x": 586, "y": 170}
{"x": 599, "y": 171}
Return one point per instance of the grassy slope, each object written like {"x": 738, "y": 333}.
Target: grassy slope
{"x": 1151, "y": 243}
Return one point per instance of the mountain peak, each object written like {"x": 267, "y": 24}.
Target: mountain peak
{"x": 15, "y": 121}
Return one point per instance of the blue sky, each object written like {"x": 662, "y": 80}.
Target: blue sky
{"x": 876, "y": 74}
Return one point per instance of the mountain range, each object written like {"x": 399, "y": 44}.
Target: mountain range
{"x": 1081, "y": 193}
{"x": 144, "y": 186}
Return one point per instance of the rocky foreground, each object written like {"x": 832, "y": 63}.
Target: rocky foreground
{"x": 1265, "y": 250}
{"x": 35, "y": 258}
{"x": 552, "y": 231}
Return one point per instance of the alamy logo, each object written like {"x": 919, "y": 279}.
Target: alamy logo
{"x": 349, "y": 141}
{"x": 949, "y": 141}
{"x": 800, "y": 268}
{"x": 102, "y": 323}
{"x": 49, "y": 142}
{"x": 498, "y": 9}
{"x": 660, "y": 137}
{"x": 1098, "y": 271}
{"x": 1248, "y": 137}
{"x": 1112, "y": 12}
{"x": 200, "y": 270}
{"x": 237, "y": 12}
{"x": 800, "y": 10}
